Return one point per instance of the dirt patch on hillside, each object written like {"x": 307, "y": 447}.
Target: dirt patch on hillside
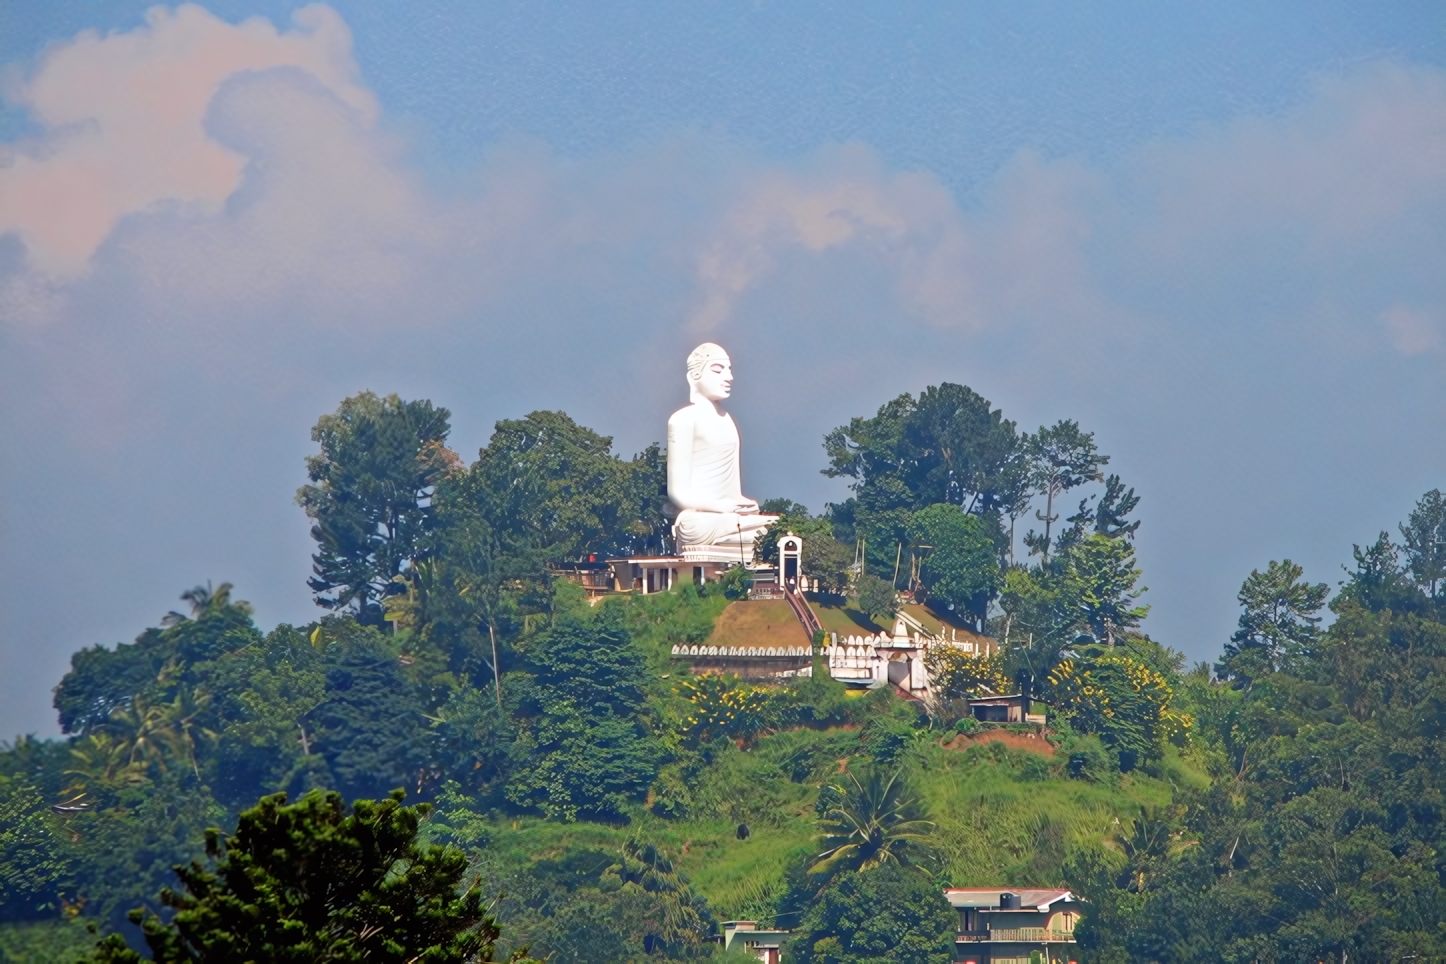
{"x": 758, "y": 623}
{"x": 1015, "y": 741}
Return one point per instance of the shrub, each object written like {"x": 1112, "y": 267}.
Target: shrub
{"x": 727, "y": 706}
{"x": 1120, "y": 698}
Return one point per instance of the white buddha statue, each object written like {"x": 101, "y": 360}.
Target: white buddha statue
{"x": 715, "y": 521}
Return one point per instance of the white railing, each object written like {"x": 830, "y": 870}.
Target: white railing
{"x": 791, "y": 652}
{"x": 1017, "y": 935}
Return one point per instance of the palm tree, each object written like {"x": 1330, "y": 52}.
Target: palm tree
{"x": 648, "y": 867}
{"x": 205, "y": 601}
{"x": 140, "y": 731}
{"x": 1147, "y": 843}
{"x": 177, "y": 723}
{"x": 871, "y": 823}
{"x": 98, "y": 761}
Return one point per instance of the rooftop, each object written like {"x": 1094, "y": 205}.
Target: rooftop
{"x": 988, "y": 897}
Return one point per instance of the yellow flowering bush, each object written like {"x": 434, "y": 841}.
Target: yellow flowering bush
{"x": 727, "y": 706}
{"x": 1117, "y": 696}
{"x": 957, "y": 675}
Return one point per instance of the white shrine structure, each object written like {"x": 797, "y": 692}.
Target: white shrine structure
{"x": 894, "y": 659}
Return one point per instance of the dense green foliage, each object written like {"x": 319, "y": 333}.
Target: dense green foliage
{"x": 1320, "y": 838}
{"x": 946, "y": 446}
{"x": 310, "y": 882}
{"x": 32, "y": 863}
{"x": 887, "y": 916}
{"x": 961, "y": 567}
{"x": 877, "y": 597}
{"x": 613, "y": 806}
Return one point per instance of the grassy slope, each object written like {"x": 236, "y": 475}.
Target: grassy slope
{"x": 940, "y": 622}
{"x": 1004, "y": 816}
{"x": 758, "y": 622}
{"x": 844, "y": 619}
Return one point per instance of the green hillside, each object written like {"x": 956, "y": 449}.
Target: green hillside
{"x": 609, "y": 805}
{"x": 1003, "y": 815}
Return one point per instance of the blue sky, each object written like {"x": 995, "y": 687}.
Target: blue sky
{"x": 1214, "y": 236}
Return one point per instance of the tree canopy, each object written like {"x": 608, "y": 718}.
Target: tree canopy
{"x": 370, "y": 494}
{"x": 889, "y": 914}
{"x": 308, "y": 881}
{"x": 605, "y": 799}
{"x": 961, "y": 564}
{"x": 946, "y": 446}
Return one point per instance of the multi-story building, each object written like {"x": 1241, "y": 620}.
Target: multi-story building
{"x": 1000, "y": 925}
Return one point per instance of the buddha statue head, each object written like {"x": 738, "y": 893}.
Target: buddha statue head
{"x": 710, "y": 373}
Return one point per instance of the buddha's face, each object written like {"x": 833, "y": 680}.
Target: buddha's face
{"x": 715, "y": 381}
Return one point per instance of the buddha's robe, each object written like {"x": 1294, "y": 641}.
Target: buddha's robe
{"x": 715, "y": 476}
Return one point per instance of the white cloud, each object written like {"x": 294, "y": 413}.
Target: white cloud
{"x": 844, "y": 196}
{"x": 238, "y": 171}
{"x": 1364, "y": 152}
{"x": 123, "y": 117}
{"x": 324, "y": 217}
{"x": 1409, "y": 330}
{"x": 1021, "y": 250}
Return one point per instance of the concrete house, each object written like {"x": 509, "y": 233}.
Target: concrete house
{"x": 1014, "y": 926}
{"x": 763, "y": 943}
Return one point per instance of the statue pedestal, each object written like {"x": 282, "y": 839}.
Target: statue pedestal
{"x": 726, "y": 555}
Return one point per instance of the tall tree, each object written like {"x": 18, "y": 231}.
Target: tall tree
{"x": 1115, "y": 504}
{"x": 877, "y": 597}
{"x": 370, "y": 496}
{"x": 946, "y": 446}
{"x": 545, "y": 489}
{"x": 1061, "y": 457}
{"x": 1380, "y": 582}
{"x": 587, "y": 749}
{"x": 1107, "y": 516}
{"x": 961, "y": 567}
{"x": 1277, "y": 623}
{"x": 1424, "y": 533}
{"x": 1100, "y": 578}
{"x": 560, "y": 483}
{"x": 370, "y": 728}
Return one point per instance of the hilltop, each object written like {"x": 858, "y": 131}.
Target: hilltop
{"x": 1282, "y": 804}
